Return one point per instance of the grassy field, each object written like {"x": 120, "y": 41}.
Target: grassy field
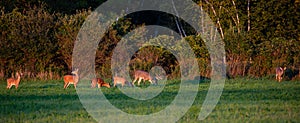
{"x": 242, "y": 100}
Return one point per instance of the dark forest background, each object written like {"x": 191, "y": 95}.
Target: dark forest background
{"x": 37, "y": 38}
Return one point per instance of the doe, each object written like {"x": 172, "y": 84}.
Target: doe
{"x": 143, "y": 75}
{"x": 14, "y": 81}
{"x": 100, "y": 83}
{"x": 71, "y": 79}
{"x": 120, "y": 80}
{"x": 279, "y": 73}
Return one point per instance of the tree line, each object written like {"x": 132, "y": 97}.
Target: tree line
{"x": 37, "y": 37}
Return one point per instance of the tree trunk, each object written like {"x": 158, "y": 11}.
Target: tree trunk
{"x": 248, "y": 14}
{"x": 218, "y": 19}
{"x": 237, "y": 17}
{"x": 178, "y": 24}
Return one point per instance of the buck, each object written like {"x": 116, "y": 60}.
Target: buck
{"x": 143, "y": 75}
{"x": 14, "y": 81}
{"x": 120, "y": 80}
{"x": 100, "y": 83}
{"x": 71, "y": 79}
{"x": 279, "y": 73}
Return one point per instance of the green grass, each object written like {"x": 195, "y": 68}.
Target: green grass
{"x": 242, "y": 101}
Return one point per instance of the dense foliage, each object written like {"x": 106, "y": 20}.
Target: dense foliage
{"x": 37, "y": 37}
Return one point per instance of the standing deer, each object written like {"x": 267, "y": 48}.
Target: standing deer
{"x": 279, "y": 73}
{"x": 71, "y": 79}
{"x": 143, "y": 75}
{"x": 120, "y": 80}
{"x": 100, "y": 83}
{"x": 14, "y": 81}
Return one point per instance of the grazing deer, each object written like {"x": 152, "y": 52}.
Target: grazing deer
{"x": 143, "y": 75}
{"x": 13, "y": 81}
{"x": 279, "y": 73}
{"x": 100, "y": 83}
{"x": 120, "y": 80}
{"x": 71, "y": 79}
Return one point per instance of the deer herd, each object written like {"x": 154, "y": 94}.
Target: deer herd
{"x": 139, "y": 75}
{"x": 99, "y": 82}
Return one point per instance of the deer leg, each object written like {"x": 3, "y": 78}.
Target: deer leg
{"x": 134, "y": 81}
{"x": 151, "y": 81}
{"x": 114, "y": 84}
{"x": 280, "y": 78}
{"x": 140, "y": 79}
{"x": 92, "y": 84}
{"x": 65, "y": 85}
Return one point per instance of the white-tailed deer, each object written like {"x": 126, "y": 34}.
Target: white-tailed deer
{"x": 100, "y": 83}
{"x": 143, "y": 75}
{"x": 279, "y": 73}
{"x": 14, "y": 81}
{"x": 71, "y": 79}
{"x": 120, "y": 80}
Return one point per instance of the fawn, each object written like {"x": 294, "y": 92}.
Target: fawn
{"x": 14, "y": 81}
{"x": 100, "y": 83}
{"x": 71, "y": 79}
{"x": 279, "y": 73}
{"x": 143, "y": 75}
{"x": 120, "y": 80}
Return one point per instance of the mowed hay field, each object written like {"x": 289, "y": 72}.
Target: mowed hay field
{"x": 242, "y": 100}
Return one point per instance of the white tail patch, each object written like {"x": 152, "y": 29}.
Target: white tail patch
{"x": 279, "y": 73}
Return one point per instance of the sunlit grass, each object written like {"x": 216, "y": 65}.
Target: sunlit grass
{"x": 242, "y": 100}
